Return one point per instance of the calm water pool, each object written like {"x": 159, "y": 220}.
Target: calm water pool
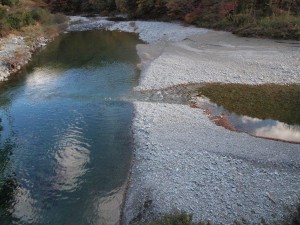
{"x": 65, "y": 146}
{"x": 269, "y": 111}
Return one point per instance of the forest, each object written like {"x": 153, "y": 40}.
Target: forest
{"x": 259, "y": 18}
{"x": 271, "y": 18}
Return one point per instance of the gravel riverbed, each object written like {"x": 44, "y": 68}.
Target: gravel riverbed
{"x": 182, "y": 161}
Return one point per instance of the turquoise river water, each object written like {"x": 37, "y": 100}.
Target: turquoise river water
{"x": 65, "y": 142}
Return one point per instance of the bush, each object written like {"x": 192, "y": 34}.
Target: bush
{"x": 179, "y": 218}
{"x": 280, "y": 22}
{"x": 281, "y": 27}
{"x": 9, "y": 2}
{"x": 19, "y": 19}
{"x": 144, "y": 6}
{"x": 28, "y": 19}
{"x": 241, "y": 19}
{"x": 176, "y": 219}
{"x": 42, "y": 15}
{"x": 14, "y": 21}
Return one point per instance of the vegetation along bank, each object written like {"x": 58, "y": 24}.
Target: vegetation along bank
{"x": 259, "y": 18}
{"x": 25, "y": 26}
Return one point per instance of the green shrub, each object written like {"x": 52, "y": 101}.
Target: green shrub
{"x": 241, "y": 19}
{"x": 28, "y": 19}
{"x": 2, "y": 12}
{"x": 283, "y": 27}
{"x": 42, "y": 15}
{"x": 19, "y": 19}
{"x": 14, "y": 21}
{"x": 280, "y": 22}
{"x": 179, "y": 218}
{"x": 7, "y": 2}
{"x": 176, "y": 219}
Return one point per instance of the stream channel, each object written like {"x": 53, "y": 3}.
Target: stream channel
{"x": 65, "y": 142}
{"x": 65, "y": 129}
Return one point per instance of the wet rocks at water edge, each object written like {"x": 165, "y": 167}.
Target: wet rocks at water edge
{"x": 15, "y": 53}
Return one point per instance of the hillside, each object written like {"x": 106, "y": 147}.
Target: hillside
{"x": 28, "y": 17}
{"x": 25, "y": 26}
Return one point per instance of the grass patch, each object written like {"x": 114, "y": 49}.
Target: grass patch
{"x": 281, "y": 27}
{"x": 243, "y": 24}
{"x": 273, "y": 19}
{"x": 279, "y": 102}
{"x": 181, "y": 218}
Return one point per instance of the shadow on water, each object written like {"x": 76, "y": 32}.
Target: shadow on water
{"x": 65, "y": 147}
{"x": 8, "y": 183}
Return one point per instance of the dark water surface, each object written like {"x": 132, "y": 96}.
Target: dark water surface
{"x": 65, "y": 146}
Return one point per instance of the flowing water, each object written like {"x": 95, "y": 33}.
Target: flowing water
{"x": 65, "y": 143}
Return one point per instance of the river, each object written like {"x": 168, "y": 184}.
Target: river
{"x": 65, "y": 145}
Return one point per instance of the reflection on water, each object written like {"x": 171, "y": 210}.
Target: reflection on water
{"x": 267, "y": 128}
{"x": 72, "y": 157}
{"x": 269, "y": 101}
{"x": 65, "y": 146}
{"x": 106, "y": 208}
{"x": 23, "y": 207}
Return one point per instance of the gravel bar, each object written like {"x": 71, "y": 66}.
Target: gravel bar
{"x": 182, "y": 161}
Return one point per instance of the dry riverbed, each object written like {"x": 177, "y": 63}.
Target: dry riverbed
{"x": 184, "y": 162}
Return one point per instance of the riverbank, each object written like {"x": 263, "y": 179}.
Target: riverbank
{"x": 26, "y": 26}
{"x": 16, "y": 52}
{"x": 182, "y": 161}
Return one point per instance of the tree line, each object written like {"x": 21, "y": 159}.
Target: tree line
{"x": 269, "y": 18}
{"x": 178, "y": 9}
